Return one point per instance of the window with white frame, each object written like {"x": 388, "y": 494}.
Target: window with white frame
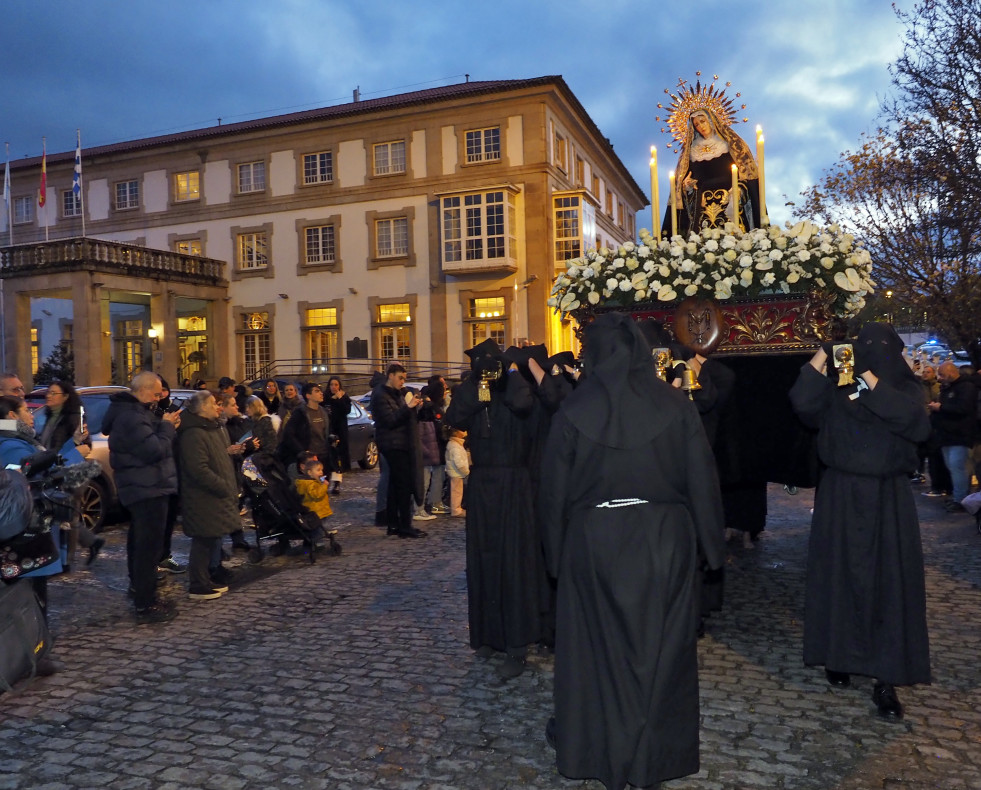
{"x": 478, "y": 226}
{"x": 23, "y": 210}
{"x": 318, "y": 168}
{"x": 127, "y": 194}
{"x": 251, "y": 177}
{"x": 320, "y": 244}
{"x": 391, "y": 237}
{"x": 568, "y": 227}
{"x": 484, "y": 145}
{"x": 187, "y": 186}
{"x": 256, "y": 345}
{"x": 71, "y": 203}
{"x": 253, "y": 250}
{"x": 389, "y": 157}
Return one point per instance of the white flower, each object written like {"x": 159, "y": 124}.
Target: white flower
{"x": 746, "y": 276}
{"x": 625, "y": 285}
{"x": 793, "y": 277}
{"x": 745, "y": 244}
{"x": 730, "y": 255}
{"x": 640, "y": 296}
{"x": 639, "y": 280}
{"x": 664, "y": 271}
{"x": 628, "y": 246}
{"x": 768, "y": 279}
{"x": 593, "y": 297}
{"x": 666, "y": 294}
{"x": 746, "y": 261}
{"x": 784, "y": 287}
{"x": 588, "y": 273}
{"x": 764, "y": 265}
{"x": 723, "y": 290}
{"x": 710, "y": 257}
{"x": 567, "y": 300}
{"x": 691, "y": 290}
{"x": 618, "y": 263}
{"x": 775, "y": 255}
{"x": 687, "y": 265}
{"x": 711, "y": 245}
{"x": 643, "y": 250}
{"x": 728, "y": 243}
{"x": 632, "y": 263}
{"x": 611, "y": 284}
{"x": 827, "y": 263}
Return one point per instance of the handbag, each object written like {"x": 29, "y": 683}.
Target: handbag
{"x": 24, "y": 635}
{"x": 28, "y": 552}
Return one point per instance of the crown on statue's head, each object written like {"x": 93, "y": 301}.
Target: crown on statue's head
{"x": 690, "y": 98}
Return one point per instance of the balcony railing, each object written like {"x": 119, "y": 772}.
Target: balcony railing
{"x": 111, "y": 257}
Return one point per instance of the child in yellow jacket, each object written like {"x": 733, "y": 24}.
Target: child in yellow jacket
{"x": 312, "y": 486}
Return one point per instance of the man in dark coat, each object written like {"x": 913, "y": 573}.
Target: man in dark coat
{"x": 141, "y": 453}
{"x": 394, "y": 408}
{"x": 953, "y": 416}
{"x": 209, "y": 490}
{"x": 628, "y": 489}
{"x": 865, "y": 602}
{"x": 504, "y": 558}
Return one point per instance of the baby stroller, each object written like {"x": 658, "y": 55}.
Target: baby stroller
{"x": 278, "y": 510}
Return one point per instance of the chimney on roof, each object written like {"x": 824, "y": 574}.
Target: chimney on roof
{"x": 357, "y": 93}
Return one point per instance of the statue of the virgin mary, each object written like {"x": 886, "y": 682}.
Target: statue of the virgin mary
{"x": 701, "y": 121}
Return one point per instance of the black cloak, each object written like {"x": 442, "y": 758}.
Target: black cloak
{"x": 504, "y": 558}
{"x": 865, "y": 602}
{"x": 628, "y": 487}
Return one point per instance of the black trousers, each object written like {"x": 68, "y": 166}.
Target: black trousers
{"x": 399, "y": 502}
{"x": 199, "y": 560}
{"x": 144, "y": 543}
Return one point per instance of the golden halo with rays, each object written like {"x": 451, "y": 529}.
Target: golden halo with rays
{"x": 689, "y": 98}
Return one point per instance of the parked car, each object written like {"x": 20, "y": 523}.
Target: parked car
{"x": 361, "y": 437}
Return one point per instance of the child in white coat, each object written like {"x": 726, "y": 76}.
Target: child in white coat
{"x": 458, "y": 469}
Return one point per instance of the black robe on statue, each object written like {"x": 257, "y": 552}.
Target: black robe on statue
{"x": 626, "y": 672}
{"x": 865, "y": 602}
{"x": 504, "y": 558}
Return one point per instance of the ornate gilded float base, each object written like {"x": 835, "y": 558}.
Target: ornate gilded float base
{"x": 775, "y": 324}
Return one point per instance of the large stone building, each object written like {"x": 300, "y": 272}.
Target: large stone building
{"x": 407, "y": 227}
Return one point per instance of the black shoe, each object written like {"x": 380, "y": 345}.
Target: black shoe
{"x": 335, "y": 490}
{"x": 550, "y": 732}
{"x": 511, "y": 668}
{"x": 94, "y": 550}
{"x": 221, "y": 576}
{"x": 484, "y": 651}
{"x": 412, "y": 532}
{"x": 838, "y": 679}
{"x": 885, "y": 699}
{"x": 158, "y": 612}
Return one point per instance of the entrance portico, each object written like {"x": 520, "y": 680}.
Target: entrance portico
{"x": 180, "y": 297}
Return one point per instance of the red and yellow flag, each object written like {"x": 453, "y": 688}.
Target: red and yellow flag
{"x": 42, "y": 192}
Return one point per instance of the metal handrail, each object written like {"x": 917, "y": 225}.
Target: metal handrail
{"x": 305, "y": 369}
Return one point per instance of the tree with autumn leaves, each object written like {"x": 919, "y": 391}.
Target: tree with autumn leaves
{"x": 912, "y": 189}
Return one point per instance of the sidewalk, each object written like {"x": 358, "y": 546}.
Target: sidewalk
{"x": 355, "y": 672}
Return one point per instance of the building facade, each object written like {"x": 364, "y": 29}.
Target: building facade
{"x": 408, "y": 227}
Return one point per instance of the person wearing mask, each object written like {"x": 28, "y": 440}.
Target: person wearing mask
{"x": 141, "y": 451}
{"x": 864, "y": 594}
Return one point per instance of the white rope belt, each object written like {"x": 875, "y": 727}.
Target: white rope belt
{"x": 622, "y": 502}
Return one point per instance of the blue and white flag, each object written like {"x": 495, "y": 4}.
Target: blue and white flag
{"x": 77, "y": 178}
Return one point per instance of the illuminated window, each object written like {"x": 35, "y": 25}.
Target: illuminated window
{"x": 391, "y": 237}
{"x": 320, "y": 244}
{"x": 389, "y": 157}
{"x": 393, "y": 331}
{"x": 321, "y": 337}
{"x": 568, "y": 228}
{"x": 484, "y": 145}
{"x": 127, "y": 194}
{"x": 486, "y": 319}
{"x": 253, "y": 251}
{"x": 318, "y": 168}
{"x": 187, "y": 186}
{"x": 252, "y": 177}
{"x": 188, "y": 247}
{"x": 35, "y": 350}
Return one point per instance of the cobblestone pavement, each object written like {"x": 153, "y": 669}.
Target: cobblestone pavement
{"x": 354, "y": 672}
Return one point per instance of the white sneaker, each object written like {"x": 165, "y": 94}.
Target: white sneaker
{"x": 423, "y": 516}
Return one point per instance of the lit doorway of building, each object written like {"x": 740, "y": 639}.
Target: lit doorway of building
{"x": 192, "y": 340}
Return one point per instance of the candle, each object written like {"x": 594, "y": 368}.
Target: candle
{"x": 735, "y": 195}
{"x": 674, "y": 205}
{"x": 764, "y": 219}
{"x": 655, "y": 197}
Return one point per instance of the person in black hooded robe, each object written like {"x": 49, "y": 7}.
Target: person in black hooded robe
{"x": 865, "y": 602}
{"x": 504, "y": 558}
{"x": 628, "y": 490}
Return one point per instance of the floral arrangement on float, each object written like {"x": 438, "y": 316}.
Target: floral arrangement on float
{"x": 721, "y": 264}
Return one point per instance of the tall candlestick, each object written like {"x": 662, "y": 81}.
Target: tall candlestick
{"x": 735, "y": 195}
{"x": 655, "y": 197}
{"x": 764, "y": 219}
{"x": 674, "y": 205}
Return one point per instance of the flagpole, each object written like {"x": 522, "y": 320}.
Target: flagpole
{"x": 6, "y": 190}
{"x": 77, "y": 181}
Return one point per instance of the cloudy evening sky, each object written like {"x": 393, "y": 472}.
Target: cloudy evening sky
{"x": 811, "y": 72}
